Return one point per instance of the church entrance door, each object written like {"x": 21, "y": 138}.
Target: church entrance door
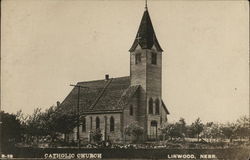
{"x": 153, "y": 130}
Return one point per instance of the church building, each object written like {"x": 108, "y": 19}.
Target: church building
{"x": 112, "y": 104}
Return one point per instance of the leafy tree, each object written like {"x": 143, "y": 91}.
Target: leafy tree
{"x": 56, "y": 122}
{"x": 182, "y": 127}
{"x": 52, "y": 122}
{"x": 243, "y": 127}
{"x": 33, "y": 126}
{"x": 175, "y": 130}
{"x": 212, "y": 130}
{"x": 135, "y": 130}
{"x": 228, "y": 130}
{"x": 10, "y": 129}
{"x": 197, "y": 127}
{"x": 207, "y": 130}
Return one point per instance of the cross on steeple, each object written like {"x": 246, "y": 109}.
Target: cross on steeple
{"x": 145, "y": 35}
{"x": 138, "y": 37}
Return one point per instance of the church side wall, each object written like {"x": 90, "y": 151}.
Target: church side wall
{"x": 128, "y": 119}
{"x": 114, "y": 136}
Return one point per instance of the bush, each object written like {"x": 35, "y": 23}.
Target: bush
{"x": 97, "y": 135}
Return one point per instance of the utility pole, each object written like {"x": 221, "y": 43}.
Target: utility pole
{"x": 78, "y": 112}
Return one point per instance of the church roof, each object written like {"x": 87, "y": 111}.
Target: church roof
{"x": 101, "y": 95}
{"x": 145, "y": 36}
{"x": 164, "y": 107}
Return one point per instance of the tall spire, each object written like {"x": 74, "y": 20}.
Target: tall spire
{"x": 145, "y": 36}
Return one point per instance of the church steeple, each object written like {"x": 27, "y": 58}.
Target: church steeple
{"x": 146, "y": 5}
{"x": 145, "y": 36}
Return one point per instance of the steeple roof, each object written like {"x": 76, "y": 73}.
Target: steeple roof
{"x": 145, "y": 36}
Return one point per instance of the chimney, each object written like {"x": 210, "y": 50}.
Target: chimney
{"x": 106, "y": 77}
{"x": 58, "y": 103}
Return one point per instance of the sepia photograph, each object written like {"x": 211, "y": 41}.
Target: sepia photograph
{"x": 125, "y": 79}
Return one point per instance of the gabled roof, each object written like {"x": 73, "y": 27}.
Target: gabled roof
{"x": 127, "y": 95}
{"x": 102, "y": 95}
{"x": 165, "y": 108}
{"x": 145, "y": 36}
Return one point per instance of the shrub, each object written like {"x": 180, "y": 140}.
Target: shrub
{"x": 97, "y": 135}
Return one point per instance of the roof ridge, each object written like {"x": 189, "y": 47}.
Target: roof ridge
{"x": 101, "y": 94}
{"x": 90, "y": 81}
{"x": 164, "y": 107}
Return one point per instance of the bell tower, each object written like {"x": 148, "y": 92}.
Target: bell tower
{"x": 146, "y": 71}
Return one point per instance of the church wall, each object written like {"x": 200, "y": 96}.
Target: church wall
{"x": 154, "y": 84}
{"x": 138, "y": 71}
{"x": 164, "y": 117}
{"x": 128, "y": 119}
{"x": 138, "y": 75}
{"x": 154, "y": 76}
{"x": 113, "y": 136}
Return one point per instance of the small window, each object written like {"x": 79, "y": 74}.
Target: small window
{"x": 97, "y": 121}
{"x": 157, "y": 106}
{"x": 131, "y": 111}
{"x": 154, "y": 123}
{"x": 153, "y": 58}
{"x": 137, "y": 58}
{"x": 112, "y": 124}
{"x": 84, "y": 124}
{"x": 150, "y": 106}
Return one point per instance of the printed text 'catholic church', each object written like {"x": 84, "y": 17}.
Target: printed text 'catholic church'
{"x": 112, "y": 104}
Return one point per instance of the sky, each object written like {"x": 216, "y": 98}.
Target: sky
{"x": 49, "y": 44}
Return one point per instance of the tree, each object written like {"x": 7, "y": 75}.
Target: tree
{"x": 243, "y": 127}
{"x": 10, "y": 129}
{"x": 52, "y": 122}
{"x": 228, "y": 130}
{"x": 56, "y": 121}
{"x": 175, "y": 130}
{"x": 182, "y": 127}
{"x": 197, "y": 127}
{"x": 212, "y": 130}
{"x": 33, "y": 127}
{"x": 133, "y": 129}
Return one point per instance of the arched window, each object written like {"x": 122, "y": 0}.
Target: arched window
{"x": 84, "y": 124}
{"x": 153, "y": 58}
{"x": 91, "y": 123}
{"x": 137, "y": 58}
{"x": 112, "y": 124}
{"x": 97, "y": 122}
{"x": 131, "y": 111}
{"x": 150, "y": 106}
{"x": 157, "y": 106}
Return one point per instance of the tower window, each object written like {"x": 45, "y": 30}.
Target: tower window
{"x": 131, "y": 111}
{"x": 97, "y": 123}
{"x": 150, "y": 106}
{"x": 112, "y": 124}
{"x": 137, "y": 58}
{"x": 84, "y": 124}
{"x": 153, "y": 58}
{"x": 157, "y": 106}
